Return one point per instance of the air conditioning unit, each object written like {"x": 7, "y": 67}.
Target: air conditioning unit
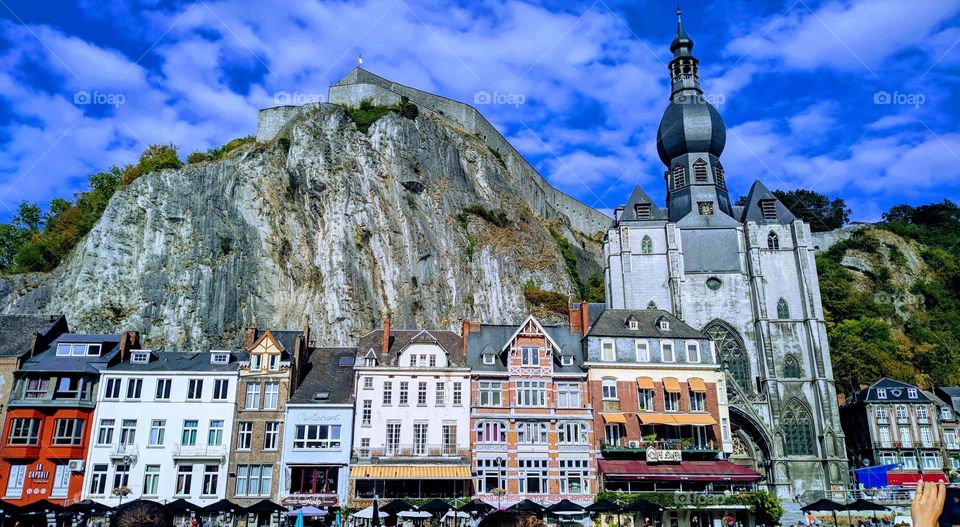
{"x": 633, "y": 444}
{"x": 75, "y": 465}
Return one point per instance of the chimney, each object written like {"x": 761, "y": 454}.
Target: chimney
{"x": 128, "y": 340}
{"x": 386, "y": 336}
{"x": 841, "y": 399}
{"x": 864, "y": 386}
{"x": 574, "y": 319}
{"x": 301, "y": 348}
{"x": 249, "y": 336}
{"x": 584, "y": 317}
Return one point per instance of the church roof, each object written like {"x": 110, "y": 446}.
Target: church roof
{"x": 752, "y": 211}
{"x": 639, "y": 197}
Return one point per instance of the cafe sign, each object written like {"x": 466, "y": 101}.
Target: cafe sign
{"x": 655, "y": 455}
{"x": 315, "y": 501}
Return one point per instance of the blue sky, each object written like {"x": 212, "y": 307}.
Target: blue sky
{"x": 854, "y": 98}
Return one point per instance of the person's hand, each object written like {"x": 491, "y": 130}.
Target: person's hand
{"x": 928, "y": 504}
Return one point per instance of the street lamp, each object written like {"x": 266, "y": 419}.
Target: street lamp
{"x": 499, "y": 491}
{"x": 120, "y": 492}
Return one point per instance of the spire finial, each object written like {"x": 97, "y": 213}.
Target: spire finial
{"x": 679, "y": 11}
{"x": 360, "y": 60}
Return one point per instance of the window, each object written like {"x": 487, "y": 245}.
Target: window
{"x": 732, "y": 356}
{"x": 244, "y": 435}
{"x": 404, "y": 395}
{"x": 718, "y": 175}
{"x": 128, "y": 431}
{"x": 931, "y": 460}
{"x": 393, "y": 438}
{"x": 189, "y": 435}
{"x": 646, "y": 245}
{"x": 671, "y": 401}
{"x": 490, "y": 475}
{"x": 922, "y": 414}
{"x": 313, "y": 480}
{"x": 912, "y": 393}
{"x": 163, "y": 388}
{"x": 530, "y": 356}
{"x": 158, "y": 428}
{"x": 121, "y": 476}
{"x": 489, "y": 358}
{"x": 490, "y": 393}
{"x": 387, "y": 393}
{"x": 642, "y": 349}
{"x": 705, "y": 208}
{"x": 441, "y": 393}
{"x": 449, "y": 438}
{"x": 111, "y": 390}
{"x": 211, "y": 476}
{"x": 612, "y": 434}
{"x": 883, "y": 434}
{"x": 368, "y": 383}
{"x": 271, "y": 395}
{"x": 219, "y": 358}
{"x": 773, "y": 241}
{"x": 572, "y": 433}
{"x": 37, "y": 388}
{"x": 698, "y": 401}
{"x": 783, "y": 309}
{"x": 666, "y": 351}
{"x": 366, "y": 415}
{"x": 791, "y": 367}
{"x": 105, "y": 432}
{"x": 433, "y": 361}
{"x": 608, "y": 352}
{"x": 420, "y": 439}
{"x": 321, "y": 437}
{"x": 700, "y": 171}
{"x": 532, "y": 433}
{"x": 151, "y": 480}
{"x": 645, "y": 400}
{"x": 926, "y": 436}
{"x": 274, "y": 362}
{"x": 909, "y": 461}
{"x": 256, "y": 480}
{"x": 24, "y": 431}
{"x": 568, "y": 395}
{"x": 693, "y": 352}
{"x": 421, "y": 394}
{"x": 566, "y": 360}
{"x": 664, "y": 324}
{"x": 252, "y": 400}
{"x": 254, "y": 362}
{"x": 271, "y": 435}
{"x": 533, "y": 476}
{"x": 906, "y": 437}
{"x": 457, "y": 393}
{"x": 63, "y": 350}
{"x": 531, "y": 393}
{"x": 945, "y": 413}
{"x": 98, "y": 479}
{"x": 574, "y": 476}
{"x": 881, "y": 393}
{"x": 797, "y": 430}
{"x": 184, "y": 480}
{"x": 195, "y": 389}
{"x": 134, "y": 387}
{"x": 491, "y": 432}
{"x": 900, "y": 411}
{"x": 220, "y": 387}
{"x": 768, "y": 208}
{"x": 951, "y": 439}
{"x": 370, "y": 361}
{"x": 61, "y": 482}
{"x": 642, "y": 211}
{"x": 68, "y": 432}
{"x": 215, "y": 434}
{"x": 679, "y": 176}
{"x": 609, "y": 389}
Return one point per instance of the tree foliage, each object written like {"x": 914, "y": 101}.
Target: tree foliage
{"x": 821, "y": 212}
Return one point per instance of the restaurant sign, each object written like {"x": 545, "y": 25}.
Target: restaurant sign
{"x": 315, "y": 501}
{"x": 655, "y": 455}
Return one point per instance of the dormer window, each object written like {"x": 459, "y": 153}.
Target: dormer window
{"x": 664, "y": 324}
{"x": 78, "y": 350}
{"x": 254, "y": 362}
{"x": 489, "y": 359}
{"x": 140, "y": 357}
{"x": 633, "y": 324}
{"x": 768, "y": 208}
{"x": 642, "y": 210}
{"x": 881, "y": 393}
{"x": 274, "y": 362}
{"x": 912, "y": 393}
{"x": 700, "y": 171}
{"x": 566, "y": 360}
{"x": 218, "y": 357}
{"x": 345, "y": 361}
{"x": 679, "y": 176}
{"x": 369, "y": 361}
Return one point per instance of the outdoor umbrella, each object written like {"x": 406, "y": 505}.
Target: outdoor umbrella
{"x": 7, "y": 510}
{"x": 181, "y": 507}
{"x": 376, "y": 513}
{"x": 603, "y": 506}
{"x": 40, "y": 507}
{"x": 640, "y": 506}
{"x": 825, "y": 505}
{"x": 864, "y": 505}
{"x": 565, "y": 506}
{"x": 299, "y": 522}
{"x": 307, "y": 511}
{"x": 528, "y": 506}
{"x": 436, "y": 506}
{"x": 480, "y": 507}
{"x": 265, "y": 506}
{"x": 89, "y": 508}
{"x": 365, "y": 514}
{"x": 396, "y": 506}
{"x": 223, "y": 505}
{"x": 416, "y": 515}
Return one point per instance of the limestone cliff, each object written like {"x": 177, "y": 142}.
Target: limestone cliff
{"x": 327, "y": 225}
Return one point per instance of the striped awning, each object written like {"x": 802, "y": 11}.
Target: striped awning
{"x": 671, "y": 384}
{"x": 614, "y": 417}
{"x": 656, "y": 418}
{"x": 644, "y": 383}
{"x": 410, "y": 472}
{"x": 695, "y": 419}
{"x": 696, "y": 384}
{"x": 671, "y": 419}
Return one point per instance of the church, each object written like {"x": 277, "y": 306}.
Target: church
{"x": 744, "y": 275}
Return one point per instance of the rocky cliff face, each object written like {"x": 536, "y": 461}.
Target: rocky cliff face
{"x": 336, "y": 227}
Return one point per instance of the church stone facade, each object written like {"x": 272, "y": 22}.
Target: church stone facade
{"x": 744, "y": 275}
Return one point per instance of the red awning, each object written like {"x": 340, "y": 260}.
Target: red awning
{"x": 910, "y": 479}
{"x": 683, "y": 471}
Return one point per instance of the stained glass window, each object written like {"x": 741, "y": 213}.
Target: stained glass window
{"x": 646, "y": 245}
{"x": 797, "y": 430}
{"x": 791, "y": 367}
{"x": 732, "y": 355}
{"x": 783, "y": 309}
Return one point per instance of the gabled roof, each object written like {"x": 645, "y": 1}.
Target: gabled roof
{"x": 46, "y": 360}
{"x": 372, "y": 343}
{"x": 530, "y": 320}
{"x": 613, "y": 323}
{"x": 283, "y": 339}
{"x": 17, "y": 331}
{"x": 950, "y": 394}
{"x": 639, "y": 196}
{"x": 897, "y": 392}
{"x": 323, "y": 374}
{"x": 495, "y": 337}
{"x": 752, "y": 211}
{"x": 177, "y": 361}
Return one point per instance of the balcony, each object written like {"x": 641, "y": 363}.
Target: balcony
{"x": 684, "y": 445}
{"x": 446, "y": 452}
{"x": 124, "y": 453}
{"x": 218, "y": 452}
{"x": 907, "y": 445}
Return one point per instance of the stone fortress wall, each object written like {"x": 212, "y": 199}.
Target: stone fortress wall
{"x": 360, "y": 84}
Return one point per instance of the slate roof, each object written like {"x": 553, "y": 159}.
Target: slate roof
{"x": 401, "y": 338}
{"x": 896, "y": 393}
{"x": 178, "y": 361}
{"x": 639, "y": 196}
{"x": 287, "y": 338}
{"x": 951, "y": 394}
{"x": 594, "y": 309}
{"x": 612, "y": 323}
{"x": 323, "y": 373}
{"x": 492, "y": 338}
{"x": 17, "y": 331}
{"x": 752, "y": 212}
{"x": 47, "y": 360}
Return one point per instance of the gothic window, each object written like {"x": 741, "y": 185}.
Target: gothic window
{"x": 783, "y": 309}
{"x": 773, "y": 241}
{"x": 646, "y": 245}
{"x": 651, "y": 305}
{"x": 797, "y": 430}
{"x": 791, "y": 367}
{"x": 679, "y": 176}
{"x": 718, "y": 175}
{"x": 732, "y": 355}
{"x": 700, "y": 171}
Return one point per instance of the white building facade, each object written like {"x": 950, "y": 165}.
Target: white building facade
{"x": 162, "y": 428}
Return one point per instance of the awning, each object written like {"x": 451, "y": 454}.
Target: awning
{"x": 410, "y": 472}
{"x": 645, "y": 383}
{"x": 671, "y": 384}
{"x": 656, "y": 418}
{"x": 683, "y": 471}
{"x": 696, "y": 384}
{"x": 614, "y": 418}
{"x": 695, "y": 419}
{"x": 910, "y": 479}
